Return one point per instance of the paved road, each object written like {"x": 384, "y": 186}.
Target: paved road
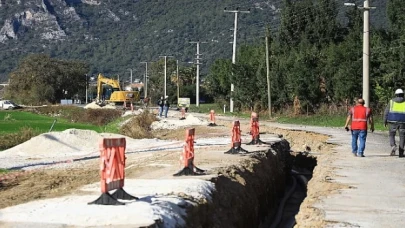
{"x": 377, "y": 196}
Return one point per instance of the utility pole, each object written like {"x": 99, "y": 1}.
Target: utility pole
{"x": 197, "y": 102}
{"x": 366, "y": 54}
{"x": 235, "y": 29}
{"x": 146, "y": 78}
{"x": 86, "y": 88}
{"x": 268, "y": 71}
{"x": 178, "y": 82}
{"x": 130, "y": 69}
{"x": 165, "y": 73}
{"x": 366, "y": 50}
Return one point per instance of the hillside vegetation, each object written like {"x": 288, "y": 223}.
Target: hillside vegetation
{"x": 116, "y": 35}
{"x": 315, "y": 50}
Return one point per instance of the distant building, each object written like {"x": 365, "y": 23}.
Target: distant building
{"x": 137, "y": 86}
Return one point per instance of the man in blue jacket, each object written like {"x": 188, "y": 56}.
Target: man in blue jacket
{"x": 160, "y": 104}
{"x": 166, "y": 105}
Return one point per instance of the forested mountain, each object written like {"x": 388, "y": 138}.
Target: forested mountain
{"x": 113, "y": 36}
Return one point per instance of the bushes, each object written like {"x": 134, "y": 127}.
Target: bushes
{"x": 99, "y": 117}
{"x": 139, "y": 126}
{"x": 11, "y": 140}
{"x": 75, "y": 114}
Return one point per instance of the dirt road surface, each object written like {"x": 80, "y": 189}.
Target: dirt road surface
{"x": 345, "y": 191}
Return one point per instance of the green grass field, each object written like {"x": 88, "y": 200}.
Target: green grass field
{"x": 206, "y": 108}
{"x": 311, "y": 120}
{"x": 326, "y": 121}
{"x": 3, "y": 171}
{"x": 13, "y": 121}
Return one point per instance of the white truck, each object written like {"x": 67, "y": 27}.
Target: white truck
{"x": 8, "y": 104}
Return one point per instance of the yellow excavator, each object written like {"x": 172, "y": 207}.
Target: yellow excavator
{"x": 114, "y": 95}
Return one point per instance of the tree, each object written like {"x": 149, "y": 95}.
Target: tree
{"x": 218, "y": 81}
{"x": 40, "y": 79}
{"x": 156, "y": 79}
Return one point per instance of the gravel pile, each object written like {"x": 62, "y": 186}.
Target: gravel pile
{"x": 165, "y": 123}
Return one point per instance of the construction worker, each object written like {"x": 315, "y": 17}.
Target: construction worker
{"x": 166, "y": 105}
{"x": 359, "y": 115}
{"x": 394, "y": 116}
{"x": 145, "y": 102}
{"x": 160, "y": 104}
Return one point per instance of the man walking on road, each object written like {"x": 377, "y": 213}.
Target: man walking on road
{"x": 359, "y": 115}
{"x": 166, "y": 105}
{"x": 394, "y": 116}
{"x": 160, "y": 104}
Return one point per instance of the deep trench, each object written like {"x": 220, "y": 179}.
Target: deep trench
{"x": 295, "y": 193}
{"x": 254, "y": 193}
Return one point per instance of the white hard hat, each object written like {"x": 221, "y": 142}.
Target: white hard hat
{"x": 399, "y": 91}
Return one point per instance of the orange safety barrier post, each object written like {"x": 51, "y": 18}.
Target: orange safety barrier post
{"x": 112, "y": 171}
{"x": 212, "y": 119}
{"x": 183, "y": 113}
{"x": 252, "y": 116}
{"x": 254, "y": 130}
{"x": 188, "y": 156}
{"x": 236, "y": 140}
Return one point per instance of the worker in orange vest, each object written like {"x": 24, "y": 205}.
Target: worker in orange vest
{"x": 359, "y": 116}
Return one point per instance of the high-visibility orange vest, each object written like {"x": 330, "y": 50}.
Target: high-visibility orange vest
{"x": 360, "y": 115}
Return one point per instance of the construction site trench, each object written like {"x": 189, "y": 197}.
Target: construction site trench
{"x": 264, "y": 188}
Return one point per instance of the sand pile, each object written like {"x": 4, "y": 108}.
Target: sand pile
{"x": 73, "y": 144}
{"x": 135, "y": 112}
{"x": 176, "y": 123}
{"x": 65, "y": 143}
{"x": 93, "y": 105}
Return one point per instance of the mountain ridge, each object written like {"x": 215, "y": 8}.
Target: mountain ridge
{"x": 113, "y": 37}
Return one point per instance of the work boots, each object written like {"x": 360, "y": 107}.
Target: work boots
{"x": 401, "y": 153}
{"x": 393, "y": 149}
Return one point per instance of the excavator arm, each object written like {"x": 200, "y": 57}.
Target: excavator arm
{"x": 118, "y": 96}
{"x": 108, "y": 81}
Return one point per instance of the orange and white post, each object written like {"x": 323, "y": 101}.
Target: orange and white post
{"x": 187, "y": 158}
{"x": 236, "y": 143}
{"x": 254, "y": 129}
{"x": 212, "y": 118}
{"x": 112, "y": 171}
{"x": 183, "y": 113}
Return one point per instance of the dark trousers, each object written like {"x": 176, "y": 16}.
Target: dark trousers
{"x": 394, "y": 127}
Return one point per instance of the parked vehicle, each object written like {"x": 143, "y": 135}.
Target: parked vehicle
{"x": 8, "y": 104}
